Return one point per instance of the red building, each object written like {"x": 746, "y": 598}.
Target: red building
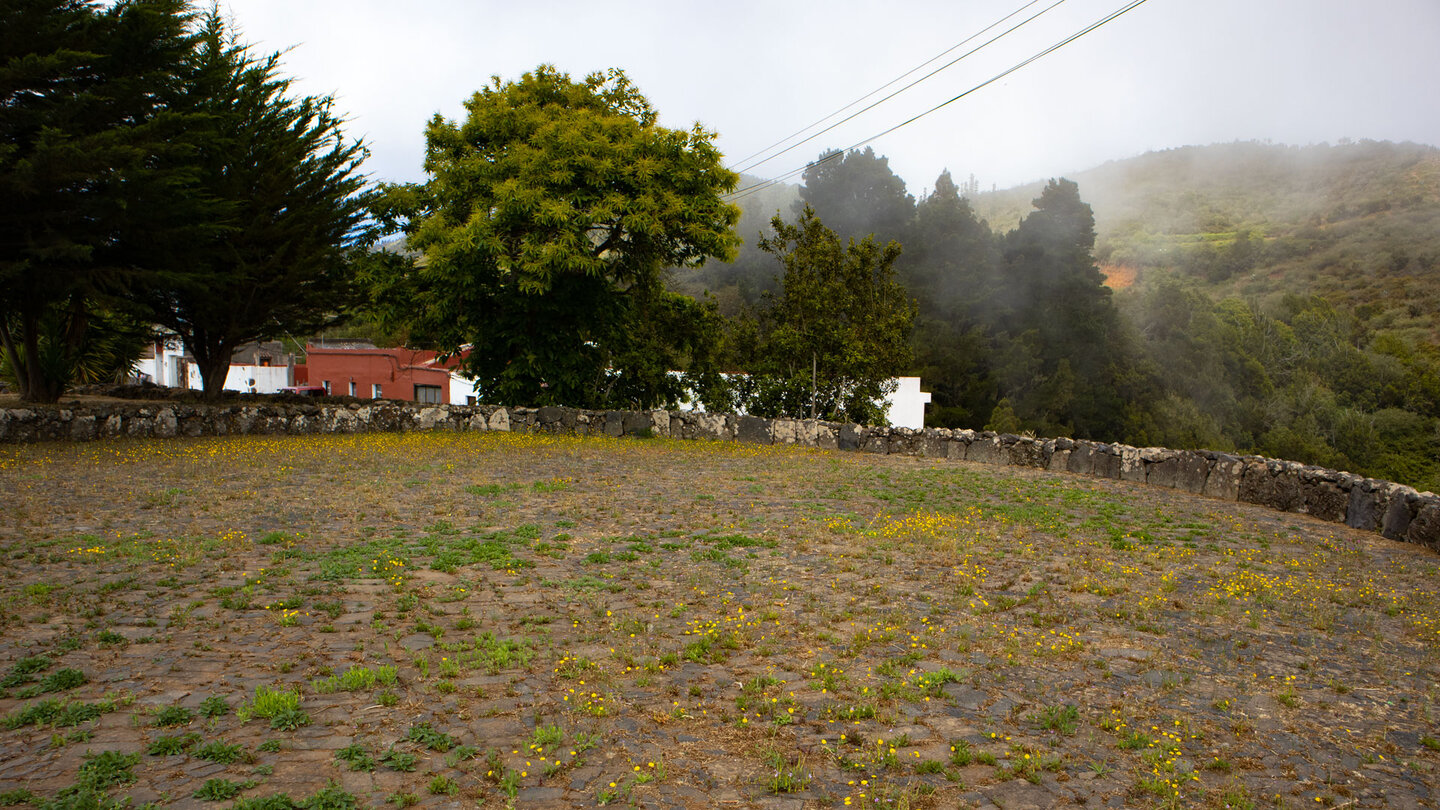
{"x": 370, "y": 373}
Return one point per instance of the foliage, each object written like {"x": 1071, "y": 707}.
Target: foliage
{"x": 84, "y": 90}
{"x": 836, "y": 334}
{"x": 1284, "y": 301}
{"x": 428, "y": 736}
{"x": 1066, "y": 362}
{"x": 1306, "y": 382}
{"x": 215, "y": 790}
{"x": 857, "y": 194}
{"x": 545, "y": 228}
{"x": 741, "y": 284}
{"x": 109, "y": 348}
{"x": 269, "y": 704}
{"x": 277, "y": 190}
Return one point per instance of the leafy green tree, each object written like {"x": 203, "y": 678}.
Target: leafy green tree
{"x": 1003, "y": 418}
{"x": 839, "y": 330}
{"x": 663, "y": 333}
{"x": 83, "y": 90}
{"x": 857, "y": 194}
{"x": 279, "y": 199}
{"x": 546, "y": 227}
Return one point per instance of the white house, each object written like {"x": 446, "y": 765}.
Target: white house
{"x": 165, "y": 363}
{"x": 462, "y": 389}
{"x": 257, "y": 368}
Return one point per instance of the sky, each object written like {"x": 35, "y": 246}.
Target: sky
{"x": 1166, "y": 74}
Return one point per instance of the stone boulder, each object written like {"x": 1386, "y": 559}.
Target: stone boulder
{"x": 754, "y": 430}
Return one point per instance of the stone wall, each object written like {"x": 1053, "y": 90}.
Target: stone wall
{"x": 1394, "y": 510}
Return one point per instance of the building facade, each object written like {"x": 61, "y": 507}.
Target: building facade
{"x": 367, "y": 372}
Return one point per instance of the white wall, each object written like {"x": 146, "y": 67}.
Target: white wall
{"x": 907, "y": 404}
{"x": 461, "y": 389}
{"x": 164, "y": 368}
{"x": 268, "y": 379}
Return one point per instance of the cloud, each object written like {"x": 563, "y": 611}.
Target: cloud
{"x": 1167, "y": 74}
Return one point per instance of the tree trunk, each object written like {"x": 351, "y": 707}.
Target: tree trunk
{"x": 46, "y": 370}
{"x": 39, "y": 386}
{"x": 213, "y": 358}
{"x": 14, "y": 356}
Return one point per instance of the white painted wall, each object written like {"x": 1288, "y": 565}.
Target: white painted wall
{"x": 461, "y": 389}
{"x": 907, "y": 404}
{"x": 166, "y": 369}
{"x": 267, "y": 379}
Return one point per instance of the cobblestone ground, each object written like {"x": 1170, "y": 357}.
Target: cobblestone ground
{"x": 493, "y": 619}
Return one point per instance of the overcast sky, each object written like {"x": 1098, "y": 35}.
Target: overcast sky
{"x": 1169, "y": 73}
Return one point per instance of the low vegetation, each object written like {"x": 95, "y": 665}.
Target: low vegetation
{"x": 845, "y": 629}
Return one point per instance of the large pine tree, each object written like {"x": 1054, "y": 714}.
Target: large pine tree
{"x": 82, "y": 89}
{"x": 276, "y": 198}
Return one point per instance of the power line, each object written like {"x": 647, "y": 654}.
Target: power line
{"x": 740, "y": 165}
{"x": 764, "y": 184}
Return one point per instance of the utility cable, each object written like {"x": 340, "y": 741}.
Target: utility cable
{"x": 764, "y": 184}
{"x": 875, "y": 104}
{"x": 741, "y": 163}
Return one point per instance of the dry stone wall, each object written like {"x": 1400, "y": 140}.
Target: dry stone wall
{"x": 1393, "y": 510}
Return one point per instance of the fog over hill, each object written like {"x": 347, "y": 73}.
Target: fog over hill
{"x": 1268, "y": 298}
{"x": 1355, "y": 223}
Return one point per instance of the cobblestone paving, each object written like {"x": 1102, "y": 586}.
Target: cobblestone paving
{"x": 540, "y": 621}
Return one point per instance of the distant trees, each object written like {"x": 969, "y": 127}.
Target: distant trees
{"x": 1017, "y": 331}
{"x": 1065, "y": 369}
{"x": 857, "y": 194}
{"x": 1302, "y": 381}
{"x": 546, "y": 227}
{"x": 950, "y": 266}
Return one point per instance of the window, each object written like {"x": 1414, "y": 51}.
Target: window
{"x": 469, "y": 400}
{"x": 326, "y": 383}
{"x": 427, "y": 393}
{"x": 375, "y": 391}
{"x": 264, "y": 361}
{"x": 352, "y": 388}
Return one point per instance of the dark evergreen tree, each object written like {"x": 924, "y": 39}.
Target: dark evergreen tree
{"x": 950, "y": 258}
{"x": 1067, "y": 365}
{"x": 277, "y": 201}
{"x": 83, "y": 89}
{"x": 857, "y": 194}
{"x": 950, "y": 267}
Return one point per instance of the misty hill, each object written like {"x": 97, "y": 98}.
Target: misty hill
{"x": 1356, "y": 223}
{"x": 1272, "y": 299}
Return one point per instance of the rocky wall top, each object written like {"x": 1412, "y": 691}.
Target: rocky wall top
{"x": 1393, "y": 510}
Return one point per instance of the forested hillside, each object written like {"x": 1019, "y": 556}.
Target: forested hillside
{"x": 1271, "y": 299}
{"x": 1354, "y": 223}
